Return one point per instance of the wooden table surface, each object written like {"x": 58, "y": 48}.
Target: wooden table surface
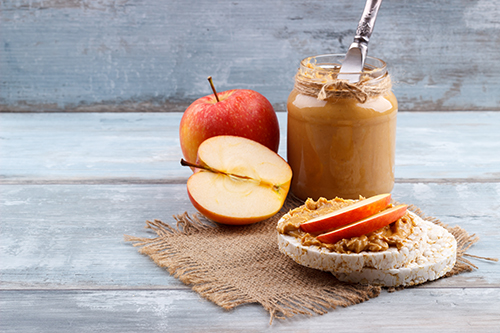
{"x": 72, "y": 184}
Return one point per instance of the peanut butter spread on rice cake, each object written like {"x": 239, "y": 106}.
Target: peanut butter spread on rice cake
{"x": 391, "y": 235}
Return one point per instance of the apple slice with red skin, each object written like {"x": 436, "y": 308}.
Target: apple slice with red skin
{"x": 364, "y": 226}
{"x": 346, "y": 215}
{"x": 238, "y": 181}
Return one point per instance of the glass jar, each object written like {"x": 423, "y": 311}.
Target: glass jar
{"x": 341, "y": 137}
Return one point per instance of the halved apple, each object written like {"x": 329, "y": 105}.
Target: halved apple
{"x": 238, "y": 181}
{"x": 364, "y": 226}
{"x": 346, "y": 215}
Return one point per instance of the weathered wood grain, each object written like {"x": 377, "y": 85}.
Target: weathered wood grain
{"x": 442, "y": 145}
{"x": 155, "y": 55}
{"x": 72, "y": 184}
{"x": 144, "y": 147}
{"x": 83, "y": 146}
{"x": 410, "y": 310}
{"x": 71, "y": 236}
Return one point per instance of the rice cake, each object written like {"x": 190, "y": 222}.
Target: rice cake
{"x": 433, "y": 263}
{"x": 427, "y": 254}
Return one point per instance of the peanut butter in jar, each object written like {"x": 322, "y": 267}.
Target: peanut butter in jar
{"x": 341, "y": 137}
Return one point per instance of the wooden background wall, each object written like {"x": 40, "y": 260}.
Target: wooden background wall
{"x": 155, "y": 55}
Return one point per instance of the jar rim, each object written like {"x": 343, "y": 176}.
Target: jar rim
{"x": 374, "y": 67}
{"x": 318, "y": 77}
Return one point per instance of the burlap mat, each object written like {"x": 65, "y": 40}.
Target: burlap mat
{"x": 234, "y": 265}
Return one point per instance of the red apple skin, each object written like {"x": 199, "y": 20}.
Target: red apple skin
{"x": 346, "y": 215}
{"x": 240, "y": 112}
{"x": 364, "y": 226}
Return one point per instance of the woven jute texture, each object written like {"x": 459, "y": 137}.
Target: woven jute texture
{"x": 234, "y": 265}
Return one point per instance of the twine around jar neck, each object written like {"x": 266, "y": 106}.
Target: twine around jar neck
{"x": 336, "y": 88}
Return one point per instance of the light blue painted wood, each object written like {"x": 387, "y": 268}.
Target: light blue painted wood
{"x": 71, "y": 236}
{"x": 412, "y": 310}
{"x": 145, "y": 146}
{"x": 440, "y": 145}
{"x": 155, "y": 55}
{"x": 65, "y": 266}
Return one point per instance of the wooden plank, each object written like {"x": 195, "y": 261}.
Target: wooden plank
{"x": 71, "y": 236}
{"x": 410, "y": 310}
{"x": 144, "y": 147}
{"x": 442, "y": 145}
{"x": 83, "y": 146}
{"x": 155, "y": 55}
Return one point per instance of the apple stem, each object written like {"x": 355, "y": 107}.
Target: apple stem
{"x": 213, "y": 88}
{"x": 207, "y": 168}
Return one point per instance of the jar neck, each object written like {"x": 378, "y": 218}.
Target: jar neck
{"x": 325, "y": 68}
{"x": 317, "y": 77}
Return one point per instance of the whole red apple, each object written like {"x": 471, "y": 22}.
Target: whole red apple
{"x": 239, "y": 112}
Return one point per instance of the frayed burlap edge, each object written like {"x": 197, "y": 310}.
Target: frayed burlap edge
{"x": 207, "y": 285}
{"x": 183, "y": 267}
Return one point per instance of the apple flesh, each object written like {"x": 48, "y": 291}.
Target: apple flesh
{"x": 346, "y": 215}
{"x": 239, "y": 181}
{"x": 239, "y": 112}
{"x": 364, "y": 226}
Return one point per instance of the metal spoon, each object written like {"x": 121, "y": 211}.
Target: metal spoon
{"x": 354, "y": 60}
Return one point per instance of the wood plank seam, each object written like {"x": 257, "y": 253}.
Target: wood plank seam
{"x": 183, "y": 180}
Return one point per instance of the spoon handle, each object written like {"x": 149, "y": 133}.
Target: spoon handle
{"x": 367, "y": 21}
{"x": 354, "y": 61}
